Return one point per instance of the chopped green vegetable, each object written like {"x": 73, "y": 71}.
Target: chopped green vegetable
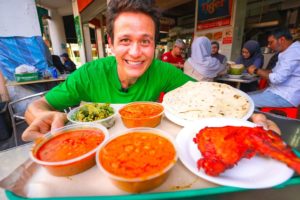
{"x": 93, "y": 111}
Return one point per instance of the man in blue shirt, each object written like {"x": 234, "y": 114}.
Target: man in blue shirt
{"x": 215, "y": 46}
{"x": 284, "y": 78}
{"x": 68, "y": 63}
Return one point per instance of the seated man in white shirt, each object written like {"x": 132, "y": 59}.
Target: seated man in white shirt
{"x": 284, "y": 78}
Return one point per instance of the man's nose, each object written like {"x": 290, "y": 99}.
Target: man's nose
{"x": 135, "y": 50}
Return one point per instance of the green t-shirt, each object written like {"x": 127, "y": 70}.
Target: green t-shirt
{"x": 98, "y": 81}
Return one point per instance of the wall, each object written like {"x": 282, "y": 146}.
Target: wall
{"x": 229, "y": 36}
{"x": 57, "y": 32}
{"x": 19, "y": 18}
{"x": 238, "y": 28}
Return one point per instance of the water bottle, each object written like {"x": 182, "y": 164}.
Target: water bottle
{"x": 54, "y": 73}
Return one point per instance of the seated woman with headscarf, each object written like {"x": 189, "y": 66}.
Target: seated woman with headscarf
{"x": 251, "y": 56}
{"x": 201, "y": 65}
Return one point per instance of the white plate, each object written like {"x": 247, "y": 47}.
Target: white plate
{"x": 234, "y": 76}
{"x": 257, "y": 172}
{"x": 184, "y": 122}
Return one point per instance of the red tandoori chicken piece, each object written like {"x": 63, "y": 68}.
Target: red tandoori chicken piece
{"x": 223, "y": 147}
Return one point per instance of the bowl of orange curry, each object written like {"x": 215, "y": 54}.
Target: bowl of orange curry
{"x": 141, "y": 114}
{"x": 69, "y": 150}
{"x": 138, "y": 159}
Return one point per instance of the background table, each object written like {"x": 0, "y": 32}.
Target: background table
{"x": 243, "y": 79}
{"x": 14, "y": 83}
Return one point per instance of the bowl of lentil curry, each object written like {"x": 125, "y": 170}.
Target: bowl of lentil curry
{"x": 141, "y": 114}
{"x": 69, "y": 150}
{"x": 100, "y": 113}
{"x": 138, "y": 159}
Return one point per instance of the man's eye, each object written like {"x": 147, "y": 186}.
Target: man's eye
{"x": 124, "y": 41}
{"x": 145, "y": 42}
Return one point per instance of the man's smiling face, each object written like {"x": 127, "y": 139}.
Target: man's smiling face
{"x": 133, "y": 44}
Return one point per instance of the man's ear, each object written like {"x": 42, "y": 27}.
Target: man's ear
{"x": 282, "y": 39}
{"x": 110, "y": 43}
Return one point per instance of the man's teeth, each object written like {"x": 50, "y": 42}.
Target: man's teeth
{"x": 133, "y": 62}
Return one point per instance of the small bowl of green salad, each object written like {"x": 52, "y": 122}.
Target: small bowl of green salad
{"x": 100, "y": 113}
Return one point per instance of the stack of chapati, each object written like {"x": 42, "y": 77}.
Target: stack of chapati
{"x": 196, "y": 100}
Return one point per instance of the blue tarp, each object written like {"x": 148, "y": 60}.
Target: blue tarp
{"x": 15, "y": 51}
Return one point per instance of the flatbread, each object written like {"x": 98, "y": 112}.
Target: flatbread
{"x": 196, "y": 100}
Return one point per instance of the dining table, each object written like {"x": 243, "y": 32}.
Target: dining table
{"x": 244, "y": 78}
{"x": 48, "y": 80}
{"x": 21, "y": 178}
{"x": 39, "y": 85}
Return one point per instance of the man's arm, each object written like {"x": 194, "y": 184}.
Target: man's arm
{"x": 264, "y": 73}
{"x": 42, "y": 118}
{"x": 224, "y": 60}
{"x": 178, "y": 65}
{"x": 36, "y": 108}
{"x": 4, "y": 96}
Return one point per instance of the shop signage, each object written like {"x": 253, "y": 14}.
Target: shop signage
{"x": 213, "y": 13}
{"x": 167, "y": 21}
{"x": 78, "y": 30}
{"x": 227, "y": 39}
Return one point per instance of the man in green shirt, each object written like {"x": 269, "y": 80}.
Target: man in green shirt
{"x": 132, "y": 75}
{"x": 98, "y": 81}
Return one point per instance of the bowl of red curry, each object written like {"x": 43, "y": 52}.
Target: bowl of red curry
{"x": 141, "y": 114}
{"x": 138, "y": 159}
{"x": 69, "y": 150}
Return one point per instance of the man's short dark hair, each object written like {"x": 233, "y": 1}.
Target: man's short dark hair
{"x": 216, "y": 43}
{"x": 116, "y": 7}
{"x": 281, "y": 32}
{"x": 64, "y": 55}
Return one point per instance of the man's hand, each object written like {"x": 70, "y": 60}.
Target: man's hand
{"x": 43, "y": 124}
{"x": 251, "y": 69}
{"x": 42, "y": 118}
{"x": 178, "y": 65}
{"x": 261, "y": 120}
{"x": 263, "y": 73}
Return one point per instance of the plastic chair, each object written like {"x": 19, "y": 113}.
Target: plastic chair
{"x": 291, "y": 112}
{"x": 18, "y": 117}
{"x": 161, "y": 97}
{"x": 263, "y": 83}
